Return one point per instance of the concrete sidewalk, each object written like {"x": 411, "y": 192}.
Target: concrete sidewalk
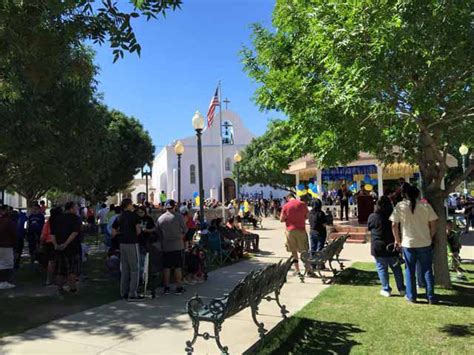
{"x": 161, "y": 326}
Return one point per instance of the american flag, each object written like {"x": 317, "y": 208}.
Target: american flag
{"x": 212, "y": 108}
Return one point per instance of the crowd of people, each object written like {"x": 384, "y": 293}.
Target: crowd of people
{"x": 139, "y": 246}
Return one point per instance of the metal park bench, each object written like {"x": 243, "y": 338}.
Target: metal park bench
{"x": 330, "y": 252}
{"x": 249, "y": 292}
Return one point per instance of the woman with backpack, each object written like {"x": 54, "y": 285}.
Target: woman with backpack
{"x": 382, "y": 246}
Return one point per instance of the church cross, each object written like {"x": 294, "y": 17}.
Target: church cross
{"x": 226, "y": 101}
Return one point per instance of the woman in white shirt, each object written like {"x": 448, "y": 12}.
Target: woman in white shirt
{"x": 417, "y": 222}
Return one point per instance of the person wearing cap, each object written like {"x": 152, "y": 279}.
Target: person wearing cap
{"x": 173, "y": 230}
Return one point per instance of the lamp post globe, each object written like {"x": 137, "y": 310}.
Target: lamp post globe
{"x": 146, "y": 169}
{"x": 198, "y": 121}
{"x": 237, "y": 157}
{"x": 179, "y": 148}
{"x": 463, "y": 149}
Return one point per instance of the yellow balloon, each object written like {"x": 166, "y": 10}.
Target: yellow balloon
{"x": 246, "y": 207}
{"x": 472, "y": 193}
{"x": 368, "y": 187}
{"x": 197, "y": 200}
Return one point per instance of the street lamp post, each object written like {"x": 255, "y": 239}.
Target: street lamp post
{"x": 464, "y": 149}
{"x": 198, "y": 125}
{"x": 179, "y": 150}
{"x": 146, "y": 172}
{"x": 237, "y": 159}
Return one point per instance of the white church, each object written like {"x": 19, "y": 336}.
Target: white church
{"x": 235, "y": 137}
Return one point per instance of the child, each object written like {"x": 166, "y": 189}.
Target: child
{"x": 454, "y": 247}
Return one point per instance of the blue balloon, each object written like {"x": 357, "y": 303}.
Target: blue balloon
{"x": 196, "y": 194}
{"x": 367, "y": 179}
{"x": 374, "y": 182}
{"x": 315, "y": 189}
{"x": 300, "y": 187}
{"x": 310, "y": 185}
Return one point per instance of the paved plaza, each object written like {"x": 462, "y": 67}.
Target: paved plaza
{"x": 162, "y": 325}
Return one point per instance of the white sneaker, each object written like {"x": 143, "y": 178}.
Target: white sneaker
{"x": 385, "y": 293}
{"x": 402, "y": 293}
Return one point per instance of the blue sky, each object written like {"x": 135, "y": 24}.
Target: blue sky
{"x": 183, "y": 57}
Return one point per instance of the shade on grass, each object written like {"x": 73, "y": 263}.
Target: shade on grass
{"x": 35, "y": 305}
{"x": 351, "y": 317}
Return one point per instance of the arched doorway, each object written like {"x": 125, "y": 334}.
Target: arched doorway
{"x": 229, "y": 190}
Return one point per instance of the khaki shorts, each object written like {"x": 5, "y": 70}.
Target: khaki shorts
{"x": 296, "y": 241}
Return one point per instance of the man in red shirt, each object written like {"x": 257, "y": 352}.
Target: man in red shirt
{"x": 294, "y": 214}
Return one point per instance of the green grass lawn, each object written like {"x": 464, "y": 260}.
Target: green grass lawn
{"x": 351, "y": 317}
{"x": 31, "y": 304}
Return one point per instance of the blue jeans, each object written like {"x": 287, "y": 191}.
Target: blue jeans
{"x": 383, "y": 263}
{"x": 424, "y": 258}
{"x": 317, "y": 241}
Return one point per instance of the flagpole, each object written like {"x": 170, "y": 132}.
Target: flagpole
{"x": 222, "y": 152}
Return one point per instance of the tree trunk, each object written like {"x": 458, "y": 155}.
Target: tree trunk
{"x": 440, "y": 257}
{"x": 433, "y": 171}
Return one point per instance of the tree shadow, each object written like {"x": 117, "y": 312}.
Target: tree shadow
{"x": 458, "y": 330}
{"x": 94, "y": 313}
{"x": 307, "y": 336}
{"x": 357, "y": 277}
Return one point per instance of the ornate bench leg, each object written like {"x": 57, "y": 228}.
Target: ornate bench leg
{"x": 189, "y": 344}
{"x": 341, "y": 265}
{"x": 283, "y": 309}
{"x": 321, "y": 276}
{"x": 261, "y": 326}
{"x": 334, "y": 271}
{"x": 217, "y": 329}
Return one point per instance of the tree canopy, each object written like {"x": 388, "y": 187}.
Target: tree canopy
{"x": 391, "y": 78}
{"x": 266, "y": 157}
{"x": 55, "y": 131}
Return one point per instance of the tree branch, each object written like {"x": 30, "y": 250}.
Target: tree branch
{"x": 452, "y": 186}
{"x": 448, "y": 120}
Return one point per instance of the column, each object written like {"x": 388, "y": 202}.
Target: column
{"x": 380, "y": 179}
{"x": 297, "y": 178}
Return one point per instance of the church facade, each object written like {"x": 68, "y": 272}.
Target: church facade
{"x": 235, "y": 137}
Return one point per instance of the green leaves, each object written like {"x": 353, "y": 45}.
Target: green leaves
{"x": 54, "y": 132}
{"x": 266, "y": 157}
{"x": 364, "y": 76}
